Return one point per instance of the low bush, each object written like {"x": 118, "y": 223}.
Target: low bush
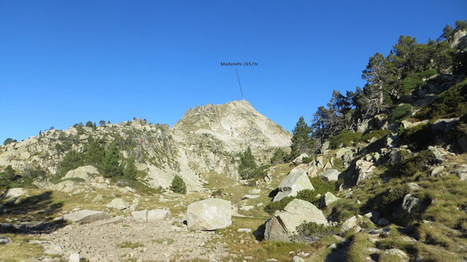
{"x": 378, "y": 134}
{"x": 400, "y": 112}
{"x": 450, "y": 103}
{"x": 344, "y": 138}
{"x": 272, "y": 207}
{"x": 312, "y": 232}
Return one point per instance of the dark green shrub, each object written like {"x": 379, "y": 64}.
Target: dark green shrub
{"x": 450, "y": 103}
{"x": 400, "y": 112}
{"x": 321, "y": 186}
{"x": 311, "y": 232}
{"x": 279, "y": 157}
{"x": 111, "y": 166}
{"x": 345, "y": 138}
{"x": 306, "y": 160}
{"x": 130, "y": 171}
{"x": 376, "y": 133}
{"x": 272, "y": 207}
{"x": 418, "y": 137}
{"x": 71, "y": 161}
{"x": 417, "y": 164}
{"x": 178, "y": 185}
{"x": 408, "y": 84}
{"x": 394, "y": 195}
{"x": 307, "y": 195}
{"x": 9, "y": 141}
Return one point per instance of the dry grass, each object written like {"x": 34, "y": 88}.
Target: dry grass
{"x": 20, "y": 249}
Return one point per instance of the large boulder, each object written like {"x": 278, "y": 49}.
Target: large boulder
{"x": 283, "y": 225}
{"x": 209, "y": 214}
{"x": 82, "y": 172}
{"x": 86, "y": 216}
{"x": 296, "y": 181}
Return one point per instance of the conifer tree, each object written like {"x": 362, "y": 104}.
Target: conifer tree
{"x": 111, "y": 164}
{"x": 301, "y": 139}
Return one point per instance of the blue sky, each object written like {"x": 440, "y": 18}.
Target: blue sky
{"x": 65, "y": 62}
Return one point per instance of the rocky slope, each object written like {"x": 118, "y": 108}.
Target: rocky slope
{"x": 207, "y": 139}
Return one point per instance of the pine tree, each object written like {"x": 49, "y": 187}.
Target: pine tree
{"x": 178, "y": 185}
{"x": 130, "y": 170}
{"x": 111, "y": 164}
{"x": 301, "y": 139}
{"x": 247, "y": 164}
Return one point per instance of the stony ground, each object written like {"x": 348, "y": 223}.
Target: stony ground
{"x": 130, "y": 240}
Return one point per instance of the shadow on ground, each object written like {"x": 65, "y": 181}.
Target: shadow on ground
{"x": 31, "y": 215}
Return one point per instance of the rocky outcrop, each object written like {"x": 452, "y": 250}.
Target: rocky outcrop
{"x": 296, "y": 181}
{"x": 82, "y": 172}
{"x": 283, "y": 225}
{"x": 209, "y": 214}
{"x": 86, "y": 216}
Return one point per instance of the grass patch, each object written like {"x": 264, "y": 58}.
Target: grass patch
{"x": 358, "y": 249}
{"x": 128, "y": 244}
{"x": 20, "y": 249}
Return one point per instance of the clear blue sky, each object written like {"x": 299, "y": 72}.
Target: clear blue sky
{"x": 64, "y": 62}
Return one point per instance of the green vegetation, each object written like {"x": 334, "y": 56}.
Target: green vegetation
{"x": 279, "y": 157}
{"x": 344, "y": 138}
{"x": 358, "y": 249}
{"x": 9, "y": 141}
{"x": 301, "y": 139}
{"x": 132, "y": 245}
{"x": 247, "y": 164}
{"x": 400, "y": 112}
{"x": 312, "y": 231}
{"x": 378, "y": 134}
{"x": 321, "y": 187}
{"x": 178, "y": 185}
{"x": 450, "y": 103}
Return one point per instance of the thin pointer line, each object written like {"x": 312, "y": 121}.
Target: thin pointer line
{"x": 241, "y": 91}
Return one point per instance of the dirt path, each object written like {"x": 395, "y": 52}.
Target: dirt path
{"x": 130, "y": 240}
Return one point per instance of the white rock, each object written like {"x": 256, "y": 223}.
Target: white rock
{"x": 349, "y": 224}
{"x": 83, "y": 172}
{"x": 140, "y": 216}
{"x": 209, "y": 214}
{"x": 296, "y": 181}
{"x": 157, "y": 215}
{"x": 118, "y": 203}
{"x": 331, "y": 175}
{"x": 15, "y": 193}
{"x": 86, "y": 216}
{"x": 328, "y": 199}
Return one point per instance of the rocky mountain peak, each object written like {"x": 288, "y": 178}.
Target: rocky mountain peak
{"x": 235, "y": 123}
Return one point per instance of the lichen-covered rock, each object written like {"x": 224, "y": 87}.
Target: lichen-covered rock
{"x": 296, "y": 181}
{"x": 209, "y": 214}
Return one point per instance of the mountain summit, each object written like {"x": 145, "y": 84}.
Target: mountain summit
{"x": 236, "y": 124}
